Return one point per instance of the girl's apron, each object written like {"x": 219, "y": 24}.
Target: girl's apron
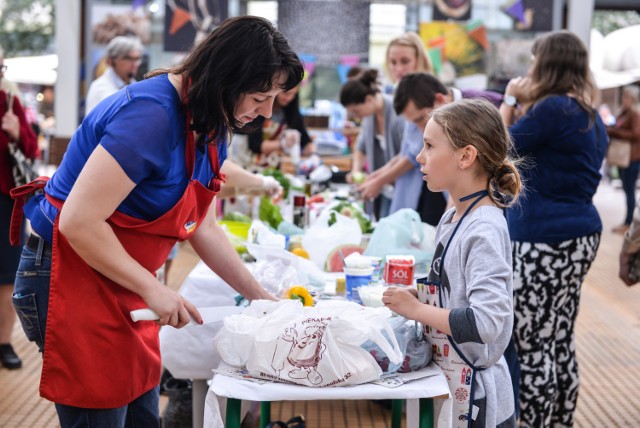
{"x": 95, "y": 356}
{"x": 458, "y": 370}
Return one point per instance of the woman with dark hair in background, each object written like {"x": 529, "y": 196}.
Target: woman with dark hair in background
{"x": 271, "y": 137}
{"x": 380, "y": 132}
{"x": 556, "y": 228}
{"x": 140, "y": 173}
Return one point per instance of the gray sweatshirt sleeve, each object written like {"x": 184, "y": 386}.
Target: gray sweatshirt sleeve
{"x": 485, "y": 257}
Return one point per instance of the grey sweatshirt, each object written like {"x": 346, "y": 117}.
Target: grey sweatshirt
{"x": 478, "y": 288}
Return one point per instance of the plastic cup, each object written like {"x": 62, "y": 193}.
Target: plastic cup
{"x": 356, "y": 277}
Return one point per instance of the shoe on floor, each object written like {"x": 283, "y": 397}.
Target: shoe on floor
{"x": 9, "y": 358}
{"x": 621, "y": 229}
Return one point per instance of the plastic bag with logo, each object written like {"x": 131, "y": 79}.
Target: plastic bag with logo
{"x": 312, "y": 346}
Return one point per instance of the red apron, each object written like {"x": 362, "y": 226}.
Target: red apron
{"x": 95, "y": 356}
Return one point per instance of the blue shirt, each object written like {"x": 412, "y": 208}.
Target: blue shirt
{"x": 563, "y": 154}
{"x": 409, "y": 185}
{"x": 143, "y": 127}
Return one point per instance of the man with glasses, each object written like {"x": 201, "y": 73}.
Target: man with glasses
{"x": 124, "y": 55}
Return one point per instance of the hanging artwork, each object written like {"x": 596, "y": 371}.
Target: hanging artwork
{"x": 530, "y": 15}
{"x": 457, "y": 10}
{"x": 459, "y": 45}
{"x": 187, "y": 22}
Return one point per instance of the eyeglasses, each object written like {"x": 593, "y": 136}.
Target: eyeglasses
{"x": 3, "y": 68}
{"x": 136, "y": 59}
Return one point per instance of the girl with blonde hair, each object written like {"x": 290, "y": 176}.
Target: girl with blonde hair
{"x": 465, "y": 303}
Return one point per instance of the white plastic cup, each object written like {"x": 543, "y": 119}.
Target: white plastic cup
{"x": 355, "y": 278}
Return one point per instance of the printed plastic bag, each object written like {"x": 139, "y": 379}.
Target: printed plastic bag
{"x": 321, "y": 237}
{"x": 403, "y": 233}
{"x": 312, "y": 346}
{"x": 416, "y": 354}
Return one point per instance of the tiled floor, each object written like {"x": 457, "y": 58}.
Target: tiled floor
{"x": 608, "y": 347}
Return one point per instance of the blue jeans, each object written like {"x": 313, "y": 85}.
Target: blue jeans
{"x": 141, "y": 412}
{"x": 629, "y": 176}
{"x": 31, "y": 293}
{"x": 31, "y": 301}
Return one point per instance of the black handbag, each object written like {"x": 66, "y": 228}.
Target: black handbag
{"x": 21, "y": 166}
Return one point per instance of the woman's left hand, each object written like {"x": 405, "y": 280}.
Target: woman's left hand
{"x": 271, "y": 186}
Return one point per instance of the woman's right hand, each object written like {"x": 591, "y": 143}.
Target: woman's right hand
{"x": 172, "y": 308}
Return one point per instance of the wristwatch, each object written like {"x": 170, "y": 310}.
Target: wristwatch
{"x": 510, "y": 100}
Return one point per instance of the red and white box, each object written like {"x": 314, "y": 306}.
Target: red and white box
{"x": 398, "y": 270}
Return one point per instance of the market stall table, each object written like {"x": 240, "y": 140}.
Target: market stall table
{"x": 425, "y": 389}
{"x": 188, "y": 353}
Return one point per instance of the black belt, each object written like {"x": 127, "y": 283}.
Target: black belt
{"x": 33, "y": 242}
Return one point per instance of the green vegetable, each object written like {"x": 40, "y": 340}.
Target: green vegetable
{"x": 236, "y": 216}
{"x": 347, "y": 209}
{"x": 278, "y": 175}
{"x": 269, "y": 213}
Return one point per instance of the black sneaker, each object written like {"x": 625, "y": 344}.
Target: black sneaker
{"x": 9, "y": 357}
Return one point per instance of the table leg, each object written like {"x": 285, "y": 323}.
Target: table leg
{"x": 233, "y": 413}
{"x": 198, "y": 396}
{"x": 265, "y": 413}
{"x": 396, "y": 413}
{"x": 426, "y": 413}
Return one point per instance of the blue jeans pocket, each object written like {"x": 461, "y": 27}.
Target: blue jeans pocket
{"x": 27, "y": 311}
{"x": 31, "y": 295}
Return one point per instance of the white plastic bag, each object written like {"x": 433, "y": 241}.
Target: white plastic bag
{"x": 321, "y": 238}
{"x": 403, "y": 233}
{"x": 311, "y": 346}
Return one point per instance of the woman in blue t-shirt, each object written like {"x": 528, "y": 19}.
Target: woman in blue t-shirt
{"x": 140, "y": 173}
{"x": 556, "y": 228}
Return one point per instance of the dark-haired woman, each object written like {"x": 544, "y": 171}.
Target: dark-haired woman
{"x": 380, "y": 134}
{"x": 140, "y": 173}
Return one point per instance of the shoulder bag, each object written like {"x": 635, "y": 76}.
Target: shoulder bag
{"x": 619, "y": 153}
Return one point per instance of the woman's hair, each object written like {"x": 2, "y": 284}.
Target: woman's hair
{"x": 121, "y": 46}
{"x": 633, "y": 92}
{"x": 560, "y": 67}
{"x": 412, "y": 40}
{"x": 478, "y": 123}
{"x": 245, "y": 54}
{"x": 356, "y": 89}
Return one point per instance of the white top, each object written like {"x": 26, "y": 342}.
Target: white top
{"x": 105, "y": 85}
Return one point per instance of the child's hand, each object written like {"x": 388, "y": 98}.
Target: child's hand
{"x": 402, "y": 301}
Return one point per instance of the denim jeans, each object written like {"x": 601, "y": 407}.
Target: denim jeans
{"x": 31, "y": 293}
{"x": 629, "y": 176}
{"x": 142, "y": 412}
{"x": 31, "y": 301}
